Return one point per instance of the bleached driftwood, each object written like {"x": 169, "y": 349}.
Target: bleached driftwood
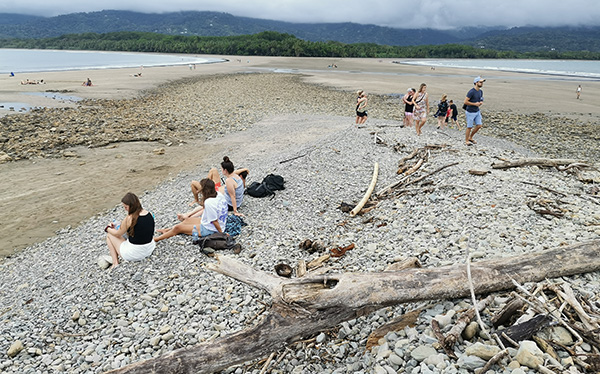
{"x": 363, "y": 201}
{"x": 546, "y": 162}
{"x": 304, "y": 306}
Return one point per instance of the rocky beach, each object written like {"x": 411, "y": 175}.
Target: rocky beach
{"x": 61, "y": 312}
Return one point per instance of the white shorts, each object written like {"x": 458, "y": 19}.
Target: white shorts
{"x": 136, "y": 252}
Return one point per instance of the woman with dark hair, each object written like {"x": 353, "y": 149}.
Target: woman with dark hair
{"x": 233, "y": 190}
{"x": 139, "y": 226}
{"x": 209, "y": 218}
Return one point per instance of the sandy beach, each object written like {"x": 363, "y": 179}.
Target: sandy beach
{"x": 67, "y": 165}
{"x": 83, "y": 180}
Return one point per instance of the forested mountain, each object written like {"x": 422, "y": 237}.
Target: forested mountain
{"x": 216, "y": 24}
{"x": 534, "y": 39}
{"x": 192, "y": 23}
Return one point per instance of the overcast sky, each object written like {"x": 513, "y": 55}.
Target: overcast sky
{"x": 438, "y": 14}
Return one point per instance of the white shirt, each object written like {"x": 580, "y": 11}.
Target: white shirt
{"x": 215, "y": 209}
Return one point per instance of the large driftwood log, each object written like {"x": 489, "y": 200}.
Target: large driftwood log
{"x": 304, "y": 306}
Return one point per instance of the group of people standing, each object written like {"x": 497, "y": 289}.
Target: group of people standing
{"x": 217, "y": 200}
{"x": 416, "y": 109}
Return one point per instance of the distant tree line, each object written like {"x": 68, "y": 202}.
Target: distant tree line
{"x": 269, "y": 43}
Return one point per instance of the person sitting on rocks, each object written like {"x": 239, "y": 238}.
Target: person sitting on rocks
{"x": 233, "y": 190}
{"x": 213, "y": 214}
{"x": 139, "y": 226}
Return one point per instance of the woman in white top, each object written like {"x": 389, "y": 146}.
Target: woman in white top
{"x": 211, "y": 217}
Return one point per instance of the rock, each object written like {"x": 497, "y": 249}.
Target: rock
{"x": 75, "y": 316}
{"x": 70, "y": 154}
{"x": 15, "y": 348}
{"x": 320, "y": 338}
{"x": 4, "y": 158}
{"x": 422, "y": 352}
{"x": 529, "y": 354}
{"x": 470, "y": 362}
{"x": 470, "y": 331}
{"x": 104, "y": 261}
{"x": 558, "y": 334}
{"x": 159, "y": 151}
{"x": 445, "y": 319}
{"x": 482, "y": 351}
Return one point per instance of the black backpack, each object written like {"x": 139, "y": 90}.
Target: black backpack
{"x": 267, "y": 187}
{"x": 217, "y": 241}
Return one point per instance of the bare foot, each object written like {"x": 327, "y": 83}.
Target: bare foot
{"x": 181, "y": 216}
{"x": 472, "y": 141}
{"x": 194, "y": 203}
{"x": 110, "y": 269}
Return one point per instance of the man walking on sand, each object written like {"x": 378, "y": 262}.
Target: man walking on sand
{"x": 472, "y": 102}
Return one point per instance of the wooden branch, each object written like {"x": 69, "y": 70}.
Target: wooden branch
{"x": 307, "y": 305}
{"x": 463, "y": 321}
{"x": 406, "y": 158}
{"x": 570, "y": 298}
{"x": 435, "y": 326}
{"x": 362, "y": 203}
{"x": 497, "y": 357}
{"x": 292, "y": 159}
{"x": 546, "y": 162}
{"x": 415, "y": 167}
{"x": 411, "y": 262}
{"x": 509, "y": 309}
{"x": 430, "y": 174}
{"x": 478, "y": 172}
{"x": 407, "y": 319}
{"x": 390, "y": 187}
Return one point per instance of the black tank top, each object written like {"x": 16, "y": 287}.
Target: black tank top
{"x": 409, "y": 107}
{"x": 143, "y": 230}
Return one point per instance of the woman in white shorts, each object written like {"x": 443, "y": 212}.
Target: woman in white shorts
{"x": 139, "y": 226}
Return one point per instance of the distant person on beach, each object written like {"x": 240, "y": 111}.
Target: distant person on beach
{"x": 453, "y": 110}
{"x": 421, "y": 108}
{"x": 139, "y": 226}
{"x": 409, "y": 106}
{"x": 212, "y": 219}
{"x": 473, "y": 102}
{"x": 358, "y": 93}
{"x": 361, "y": 108}
{"x": 578, "y": 91}
{"x": 88, "y": 83}
{"x": 442, "y": 111}
{"x": 233, "y": 189}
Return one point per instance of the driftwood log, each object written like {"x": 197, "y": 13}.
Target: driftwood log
{"x": 307, "y": 305}
{"x": 545, "y": 162}
{"x": 363, "y": 201}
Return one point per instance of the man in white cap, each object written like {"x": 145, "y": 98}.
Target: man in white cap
{"x": 472, "y": 102}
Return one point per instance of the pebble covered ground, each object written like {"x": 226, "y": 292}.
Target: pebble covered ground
{"x": 71, "y": 316}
